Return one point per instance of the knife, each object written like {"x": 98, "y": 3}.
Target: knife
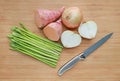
{"x": 83, "y": 55}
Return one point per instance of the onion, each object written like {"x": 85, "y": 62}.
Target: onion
{"x": 72, "y": 17}
{"x": 70, "y": 39}
{"x": 88, "y": 30}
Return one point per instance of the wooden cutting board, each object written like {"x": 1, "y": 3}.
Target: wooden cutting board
{"x": 102, "y": 65}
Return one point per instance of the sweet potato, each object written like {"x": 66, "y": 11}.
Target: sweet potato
{"x": 43, "y": 16}
{"x": 53, "y": 30}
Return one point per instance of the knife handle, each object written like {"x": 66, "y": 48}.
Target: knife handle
{"x": 70, "y": 64}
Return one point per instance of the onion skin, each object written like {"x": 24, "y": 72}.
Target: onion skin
{"x": 72, "y": 17}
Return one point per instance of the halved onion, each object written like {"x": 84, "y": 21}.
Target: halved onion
{"x": 88, "y": 30}
{"x": 70, "y": 39}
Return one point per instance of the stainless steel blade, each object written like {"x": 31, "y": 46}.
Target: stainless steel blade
{"x": 81, "y": 56}
{"x": 96, "y": 45}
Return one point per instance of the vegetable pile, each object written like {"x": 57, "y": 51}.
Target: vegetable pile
{"x": 71, "y": 18}
{"x": 24, "y": 41}
{"x": 52, "y": 22}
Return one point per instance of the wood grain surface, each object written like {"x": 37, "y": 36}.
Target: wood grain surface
{"x": 102, "y": 65}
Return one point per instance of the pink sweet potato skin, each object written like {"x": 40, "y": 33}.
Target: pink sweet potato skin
{"x": 53, "y": 31}
{"x": 43, "y": 16}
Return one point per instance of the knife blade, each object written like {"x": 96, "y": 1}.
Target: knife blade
{"x": 83, "y": 55}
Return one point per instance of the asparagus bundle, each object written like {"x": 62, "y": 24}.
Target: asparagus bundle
{"x": 26, "y": 42}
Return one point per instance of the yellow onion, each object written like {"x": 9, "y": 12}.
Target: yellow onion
{"x": 72, "y": 17}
